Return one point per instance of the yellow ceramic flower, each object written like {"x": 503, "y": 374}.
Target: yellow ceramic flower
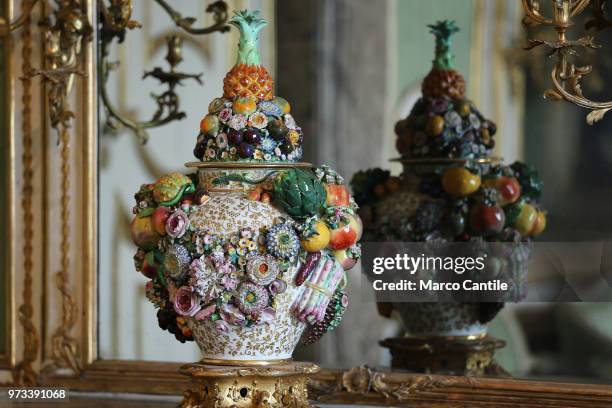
{"x": 293, "y": 137}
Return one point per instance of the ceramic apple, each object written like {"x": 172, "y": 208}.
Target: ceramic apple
{"x": 487, "y": 219}
{"x": 460, "y": 182}
{"x": 337, "y": 195}
{"x": 160, "y": 216}
{"x": 526, "y": 220}
{"x": 508, "y": 189}
{"x": 347, "y": 234}
{"x": 540, "y": 224}
{"x": 143, "y": 233}
{"x": 319, "y": 240}
{"x": 344, "y": 259}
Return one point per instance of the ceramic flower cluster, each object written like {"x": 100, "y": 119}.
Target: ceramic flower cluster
{"x": 451, "y": 128}
{"x": 249, "y": 130}
{"x": 234, "y": 279}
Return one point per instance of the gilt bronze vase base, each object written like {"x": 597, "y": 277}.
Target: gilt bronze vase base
{"x": 281, "y": 385}
{"x": 472, "y": 356}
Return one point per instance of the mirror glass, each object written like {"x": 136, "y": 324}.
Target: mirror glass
{"x": 347, "y": 104}
{"x": 572, "y": 340}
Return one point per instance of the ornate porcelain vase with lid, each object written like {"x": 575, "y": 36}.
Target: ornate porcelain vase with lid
{"x": 451, "y": 190}
{"x": 249, "y": 254}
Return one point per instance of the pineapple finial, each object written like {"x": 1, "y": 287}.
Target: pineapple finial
{"x": 443, "y": 30}
{"x": 249, "y": 24}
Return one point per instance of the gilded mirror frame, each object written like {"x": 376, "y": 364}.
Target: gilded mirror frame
{"x": 7, "y": 356}
{"x": 53, "y": 251}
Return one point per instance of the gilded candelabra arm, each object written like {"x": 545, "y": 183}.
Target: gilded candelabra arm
{"x": 115, "y": 20}
{"x": 565, "y": 75}
{"x": 578, "y": 7}
{"x": 532, "y": 13}
{"x": 8, "y": 27}
{"x": 168, "y": 107}
{"x": 219, "y": 14}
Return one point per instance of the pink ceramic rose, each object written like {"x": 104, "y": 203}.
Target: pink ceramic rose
{"x": 225, "y": 115}
{"x": 177, "y": 224}
{"x": 226, "y": 268}
{"x": 206, "y": 312}
{"x": 221, "y": 327}
{"x": 186, "y": 302}
{"x": 232, "y": 315}
{"x": 277, "y": 287}
{"x": 229, "y": 282}
{"x": 267, "y": 315}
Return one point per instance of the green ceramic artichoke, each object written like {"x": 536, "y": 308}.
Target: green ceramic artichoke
{"x": 299, "y": 193}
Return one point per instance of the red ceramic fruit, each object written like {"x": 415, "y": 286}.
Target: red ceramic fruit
{"x": 346, "y": 235}
{"x": 148, "y": 266}
{"x": 487, "y": 219}
{"x": 508, "y": 188}
{"x": 527, "y": 219}
{"x": 540, "y": 224}
{"x": 160, "y": 216}
{"x": 337, "y": 195}
{"x": 344, "y": 260}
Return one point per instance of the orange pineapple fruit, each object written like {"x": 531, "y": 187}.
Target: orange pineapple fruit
{"x": 248, "y": 78}
{"x": 248, "y": 81}
{"x": 443, "y": 81}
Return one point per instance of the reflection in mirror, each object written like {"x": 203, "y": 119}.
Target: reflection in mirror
{"x": 348, "y": 124}
{"x": 572, "y": 340}
{"x": 128, "y": 326}
{"x": 4, "y": 193}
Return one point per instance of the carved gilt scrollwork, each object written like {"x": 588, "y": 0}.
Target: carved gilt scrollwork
{"x": 364, "y": 383}
{"x": 65, "y": 28}
{"x": 565, "y": 75}
{"x": 65, "y": 31}
{"x": 23, "y": 373}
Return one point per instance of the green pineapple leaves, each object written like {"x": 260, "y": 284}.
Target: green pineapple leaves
{"x": 249, "y": 24}
{"x": 443, "y": 30}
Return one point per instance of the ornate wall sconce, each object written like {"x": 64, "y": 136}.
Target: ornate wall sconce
{"x": 565, "y": 75}
{"x": 115, "y": 20}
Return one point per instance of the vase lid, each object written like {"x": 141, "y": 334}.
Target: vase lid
{"x": 443, "y": 123}
{"x": 248, "y": 123}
